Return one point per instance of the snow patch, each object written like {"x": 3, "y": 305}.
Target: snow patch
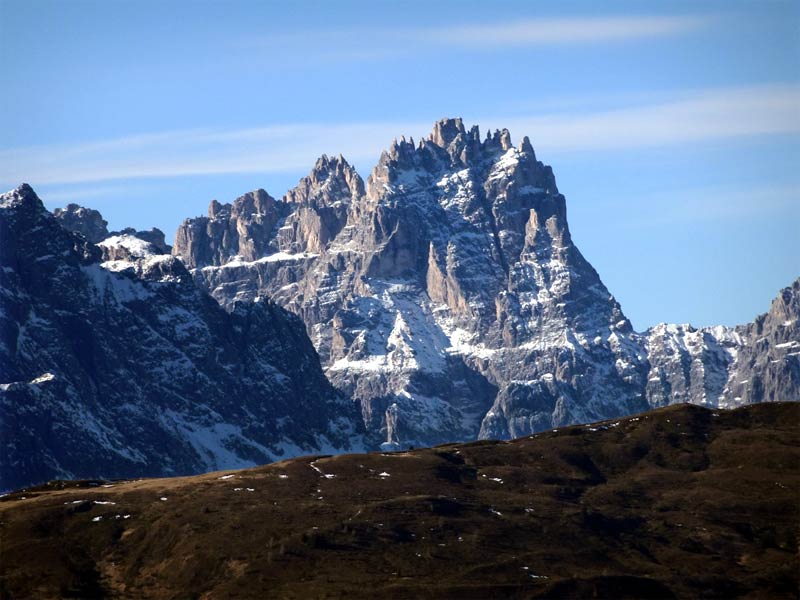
{"x": 138, "y": 248}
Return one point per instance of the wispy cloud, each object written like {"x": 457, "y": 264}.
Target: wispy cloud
{"x": 79, "y": 193}
{"x": 693, "y": 118}
{"x": 196, "y": 152}
{"x": 379, "y": 43}
{"x": 718, "y": 204}
{"x": 517, "y": 32}
{"x": 580, "y": 30}
{"x": 726, "y": 203}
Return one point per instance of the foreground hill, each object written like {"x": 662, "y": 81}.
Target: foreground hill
{"x": 679, "y": 502}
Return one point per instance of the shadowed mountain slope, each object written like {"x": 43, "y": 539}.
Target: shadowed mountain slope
{"x": 113, "y": 363}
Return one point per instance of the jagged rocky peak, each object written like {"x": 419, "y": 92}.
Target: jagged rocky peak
{"x": 255, "y": 206}
{"x": 241, "y": 229}
{"x": 23, "y": 199}
{"x": 86, "y": 221}
{"x": 768, "y": 366}
{"x": 331, "y": 180}
{"x": 450, "y": 133}
{"x": 452, "y": 302}
{"x": 28, "y": 229}
{"x": 250, "y": 205}
{"x": 728, "y": 366}
{"x": 319, "y": 205}
{"x": 450, "y": 146}
{"x": 131, "y": 245}
{"x": 42, "y": 242}
{"x": 425, "y": 298}
{"x": 783, "y": 312}
{"x": 445, "y": 131}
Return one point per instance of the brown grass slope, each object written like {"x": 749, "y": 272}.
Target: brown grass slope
{"x": 680, "y": 502}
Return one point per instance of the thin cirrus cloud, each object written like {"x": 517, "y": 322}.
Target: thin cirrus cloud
{"x": 566, "y": 30}
{"x": 368, "y": 45}
{"x": 696, "y": 117}
{"x": 692, "y": 118}
{"x": 718, "y": 204}
{"x": 358, "y": 43}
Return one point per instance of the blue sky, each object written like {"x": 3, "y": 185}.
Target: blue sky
{"x": 672, "y": 127}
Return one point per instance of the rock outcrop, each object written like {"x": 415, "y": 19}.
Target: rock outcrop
{"x": 86, "y": 221}
{"x": 91, "y": 225}
{"x": 242, "y": 229}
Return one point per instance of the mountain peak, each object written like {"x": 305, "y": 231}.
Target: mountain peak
{"x": 215, "y": 207}
{"x": 451, "y": 147}
{"x": 255, "y": 202}
{"x": 24, "y": 189}
{"x": 23, "y": 194}
{"x": 86, "y": 221}
{"x": 332, "y": 178}
{"x": 526, "y": 147}
{"x": 446, "y": 130}
{"x": 252, "y": 203}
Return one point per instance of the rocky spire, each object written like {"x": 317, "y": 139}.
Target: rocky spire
{"x": 215, "y": 209}
{"x": 446, "y": 130}
{"x": 332, "y": 179}
{"x": 243, "y": 228}
{"x": 526, "y": 147}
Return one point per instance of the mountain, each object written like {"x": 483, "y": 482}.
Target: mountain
{"x": 444, "y": 299}
{"x": 729, "y": 366}
{"x": 680, "y": 502}
{"x": 115, "y": 364}
{"x": 446, "y": 296}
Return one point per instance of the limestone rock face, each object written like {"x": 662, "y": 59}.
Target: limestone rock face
{"x": 728, "y": 366}
{"x": 241, "y": 229}
{"x": 113, "y": 363}
{"x": 449, "y": 275}
{"x": 768, "y": 366}
{"x": 446, "y": 296}
{"x": 319, "y": 205}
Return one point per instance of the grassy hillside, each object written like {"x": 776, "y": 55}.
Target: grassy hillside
{"x": 680, "y": 502}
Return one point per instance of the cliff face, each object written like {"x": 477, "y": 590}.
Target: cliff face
{"x": 447, "y": 297}
{"x": 115, "y": 364}
{"x": 729, "y": 366}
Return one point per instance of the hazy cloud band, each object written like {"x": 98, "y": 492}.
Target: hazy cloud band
{"x": 697, "y": 117}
